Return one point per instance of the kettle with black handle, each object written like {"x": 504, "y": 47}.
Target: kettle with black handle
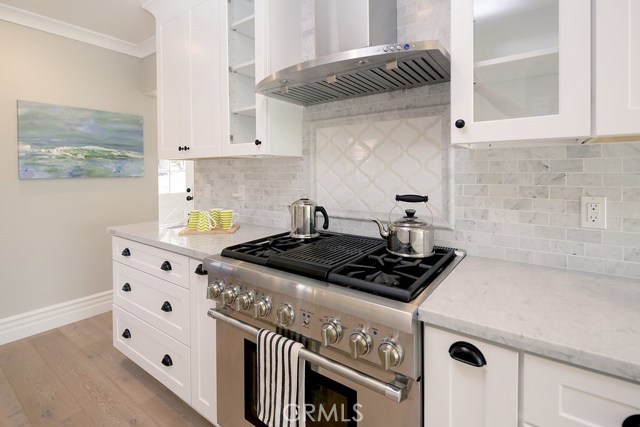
{"x": 303, "y": 218}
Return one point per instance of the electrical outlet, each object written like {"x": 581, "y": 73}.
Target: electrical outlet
{"x": 593, "y": 212}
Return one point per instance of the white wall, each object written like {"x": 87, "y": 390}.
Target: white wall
{"x": 55, "y": 247}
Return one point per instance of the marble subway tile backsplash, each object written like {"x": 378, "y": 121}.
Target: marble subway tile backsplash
{"x": 527, "y": 209}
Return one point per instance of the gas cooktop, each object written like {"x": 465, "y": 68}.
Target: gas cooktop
{"x": 343, "y": 259}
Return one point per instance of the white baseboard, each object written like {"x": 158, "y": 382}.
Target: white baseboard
{"x": 33, "y": 322}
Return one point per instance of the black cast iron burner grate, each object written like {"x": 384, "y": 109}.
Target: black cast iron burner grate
{"x": 392, "y": 276}
{"x": 318, "y": 258}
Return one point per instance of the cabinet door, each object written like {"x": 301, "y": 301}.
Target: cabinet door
{"x": 263, "y": 37}
{"x": 203, "y": 347}
{"x": 174, "y": 94}
{"x": 559, "y": 395}
{"x": 457, "y": 394}
{"x": 520, "y": 70}
{"x": 617, "y": 67}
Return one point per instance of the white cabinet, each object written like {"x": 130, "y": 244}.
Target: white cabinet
{"x": 262, "y": 37}
{"x": 617, "y": 67}
{"x": 459, "y": 394}
{"x": 160, "y": 320}
{"x": 203, "y": 346}
{"x": 520, "y": 70}
{"x": 559, "y": 395}
{"x": 189, "y": 77}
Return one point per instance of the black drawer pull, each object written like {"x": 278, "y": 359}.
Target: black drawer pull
{"x": 200, "y": 271}
{"x": 126, "y": 334}
{"x": 467, "y": 353}
{"x": 126, "y": 287}
{"x": 166, "y": 360}
{"x": 126, "y": 252}
{"x": 166, "y": 266}
{"x": 632, "y": 421}
{"x": 166, "y": 307}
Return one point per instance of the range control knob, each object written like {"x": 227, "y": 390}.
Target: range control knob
{"x": 214, "y": 289}
{"x": 360, "y": 343}
{"x": 261, "y": 307}
{"x": 285, "y": 314}
{"x": 228, "y": 296}
{"x": 331, "y": 332}
{"x": 244, "y": 301}
{"x": 391, "y": 354}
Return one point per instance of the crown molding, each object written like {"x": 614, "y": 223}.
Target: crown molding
{"x": 62, "y": 29}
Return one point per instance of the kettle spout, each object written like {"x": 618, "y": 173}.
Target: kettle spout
{"x": 384, "y": 233}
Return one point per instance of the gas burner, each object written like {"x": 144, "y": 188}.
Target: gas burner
{"x": 383, "y": 278}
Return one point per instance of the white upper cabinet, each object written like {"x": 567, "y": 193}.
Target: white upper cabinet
{"x": 520, "y": 70}
{"x": 209, "y": 55}
{"x": 262, "y": 36}
{"x": 617, "y": 67}
{"x": 189, "y": 75}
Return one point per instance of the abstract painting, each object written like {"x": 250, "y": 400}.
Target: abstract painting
{"x": 57, "y": 141}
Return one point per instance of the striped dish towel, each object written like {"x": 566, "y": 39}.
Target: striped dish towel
{"x": 279, "y": 373}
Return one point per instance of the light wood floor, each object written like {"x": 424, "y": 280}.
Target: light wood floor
{"x": 74, "y": 377}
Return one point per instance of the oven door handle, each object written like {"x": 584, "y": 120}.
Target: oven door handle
{"x": 396, "y": 390}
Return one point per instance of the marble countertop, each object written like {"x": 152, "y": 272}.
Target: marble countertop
{"x": 194, "y": 246}
{"x": 590, "y": 320}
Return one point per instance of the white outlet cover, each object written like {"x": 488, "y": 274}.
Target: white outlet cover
{"x": 584, "y": 202}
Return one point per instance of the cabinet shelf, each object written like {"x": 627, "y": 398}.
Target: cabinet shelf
{"x": 245, "y": 26}
{"x": 249, "y": 111}
{"x": 519, "y": 66}
{"x": 246, "y": 69}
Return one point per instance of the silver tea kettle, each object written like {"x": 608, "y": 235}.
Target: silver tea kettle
{"x": 303, "y": 218}
{"x": 408, "y": 236}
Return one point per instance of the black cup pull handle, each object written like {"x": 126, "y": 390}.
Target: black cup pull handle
{"x": 126, "y": 334}
{"x": 126, "y": 252}
{"x": 166, "y": 360}
{"x": 412, "y": 198}
{"x": 166, "y": 266}
{"x": 467, "y": 353}
{"x": 126, "y": 287}
{"x": 200, "y": 271}
{"x": 166, "y": 307}
{"x": 632, "y": 421}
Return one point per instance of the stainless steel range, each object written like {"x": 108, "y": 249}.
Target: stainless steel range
{"x": 350, "y": 302}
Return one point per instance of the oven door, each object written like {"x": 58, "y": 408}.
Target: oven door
{"x": 331, "y": 400}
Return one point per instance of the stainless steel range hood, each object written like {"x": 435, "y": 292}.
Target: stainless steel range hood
{"x": 359, "y": 72}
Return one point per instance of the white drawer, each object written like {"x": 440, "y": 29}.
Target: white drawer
{"x": 157, "y": 262}
{"x": 164, "y": 358}
{"x": 559, "y": 395}
{"x": 160, "y": 303}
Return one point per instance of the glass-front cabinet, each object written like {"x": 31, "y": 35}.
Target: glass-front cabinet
{"x": 520, "y": 70}
{"x": 257, "y": 125}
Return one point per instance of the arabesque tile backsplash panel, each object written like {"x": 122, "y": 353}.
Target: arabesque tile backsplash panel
{"x": 519, "y": 204}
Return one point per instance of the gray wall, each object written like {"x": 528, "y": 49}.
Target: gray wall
{"x": 55, "y": 247}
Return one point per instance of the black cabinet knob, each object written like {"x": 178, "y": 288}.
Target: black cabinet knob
{"x": 166, "y": 266}
{"x": 188, "y": 190}
{"x": 126, "y": 252}
{"x": 179, "y": 148}
{"x": 126, "y": 334}
{"x": 467, "y": 353}
{"x": 166, "y": 360}
{"x": 189, "y": 198}
{"x": 126, "y": 287}
{"x": 200, "y": 271}
{"x": 460, "y": 123}
{"x": 632, "y": 421}
{"x": 166, "y": 307}
{"x": 257, "y": 142}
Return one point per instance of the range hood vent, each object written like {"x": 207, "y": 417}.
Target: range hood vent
{"x": 359, "y": 72}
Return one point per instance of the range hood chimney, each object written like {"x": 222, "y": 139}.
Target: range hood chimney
{"x": 357, "y": 54}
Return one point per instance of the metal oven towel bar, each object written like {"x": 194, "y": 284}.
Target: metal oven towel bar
{"x": 396, "y": 391}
